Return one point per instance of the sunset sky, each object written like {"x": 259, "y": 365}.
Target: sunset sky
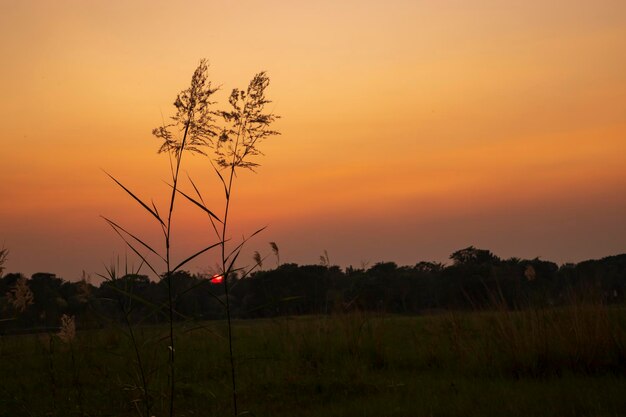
{"x": 410, "y": 129}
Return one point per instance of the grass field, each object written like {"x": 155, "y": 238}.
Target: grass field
{"x": 561, "y": 362}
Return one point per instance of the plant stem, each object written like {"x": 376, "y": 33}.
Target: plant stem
{"x": 226, "y": 273}
{"x": 170, "y": 297}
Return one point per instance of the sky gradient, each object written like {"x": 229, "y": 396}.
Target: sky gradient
{"x": 410, "y": 129}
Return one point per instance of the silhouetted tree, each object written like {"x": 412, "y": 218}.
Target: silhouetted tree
{"x": 290, "y": 289}
{"x": 471, "y": 255}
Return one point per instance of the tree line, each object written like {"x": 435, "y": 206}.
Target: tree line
{"x": 475, "y": 279}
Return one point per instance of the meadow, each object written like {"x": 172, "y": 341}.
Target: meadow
{"x": 310, "y": 340}
{"x": 567, "y": 361}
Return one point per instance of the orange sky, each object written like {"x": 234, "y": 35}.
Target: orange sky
{"x": 409, "y": 129}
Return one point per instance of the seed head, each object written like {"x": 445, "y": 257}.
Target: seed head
{"x": 20, "y": 296}
{"x": 192, "y": 127}
{"x": 247, "y": 125}
{"x": 67, "y": 333}
{"x": 257, "y": 259}
{"x": 530, "y": 273}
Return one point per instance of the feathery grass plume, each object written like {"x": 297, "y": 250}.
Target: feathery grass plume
{"x": 67, "y": 332}
{"x": 257, "y": 259}
{"x": 247, "y": 126}
{"x": 20, "y": 297}
{"x": 4, "y": 253}
{"x": 530, "y": 273}
{"x": 324, "y": 259}
{"x": 193, "y": 117}
{"x": 276, "y": 252}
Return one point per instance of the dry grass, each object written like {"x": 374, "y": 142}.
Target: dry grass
{"x": 67, "y": 332}
{"x": 20, "y": 297}
{"x": 476, "y": 364}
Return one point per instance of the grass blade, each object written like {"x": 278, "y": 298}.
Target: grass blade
{"x": 193, "y": 184}
{"x": 238, "y": 247}
{"x": 144, "y": 205}
{"x": 230, "y": 265}
{"x": 197, "y": 203}
{"x": 135, "y": 250}
{"x": 145, "y": 245}
{"x": 200, "y": 252}
{"x": 219, "y": 174}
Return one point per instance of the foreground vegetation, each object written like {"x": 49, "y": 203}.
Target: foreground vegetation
{"x": 568, "y": 361}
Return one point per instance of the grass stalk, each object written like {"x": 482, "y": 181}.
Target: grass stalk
{"x": 170, "y": 292}
{"x": 194, "y": 121}
{"x": 226, "y": 275}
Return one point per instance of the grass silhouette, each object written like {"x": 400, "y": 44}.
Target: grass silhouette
{"x": 229, "y": 147}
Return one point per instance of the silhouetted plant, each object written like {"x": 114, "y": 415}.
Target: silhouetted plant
{"x": 324, "y": 259}
{"x": 246, "y": 125}
{"x": 257, "y": 259}
{"x": 4, "y": 253}
{"x": 234, "y": 145}
{"x": 276, "y": 251}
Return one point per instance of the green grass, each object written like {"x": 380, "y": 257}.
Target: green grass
{"x": 566, "y": 362}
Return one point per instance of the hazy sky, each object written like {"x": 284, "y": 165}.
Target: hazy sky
{"x": 410, "y": 129}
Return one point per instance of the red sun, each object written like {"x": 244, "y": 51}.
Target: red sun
{"x": 217, "y": 279}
